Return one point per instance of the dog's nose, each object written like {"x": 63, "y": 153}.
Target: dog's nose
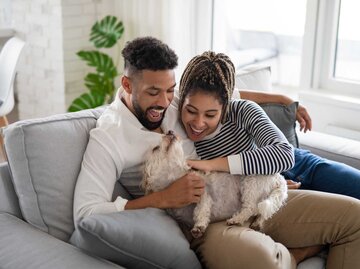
{"x": 171, "y": 135}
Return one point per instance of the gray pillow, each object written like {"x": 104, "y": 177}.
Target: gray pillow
{"x": 44, "y": 157}
{"x": 284, "y": 117}
{"x": 144, "y": 238}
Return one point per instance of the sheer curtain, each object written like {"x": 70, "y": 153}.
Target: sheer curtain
{"x": 5, "y": 13}
{"x": 185, "y": 25}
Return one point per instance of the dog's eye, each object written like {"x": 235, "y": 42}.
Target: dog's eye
{"x": 156, "y": 148}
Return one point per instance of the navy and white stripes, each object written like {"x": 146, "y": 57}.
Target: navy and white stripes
{"x": 249, "y": 132}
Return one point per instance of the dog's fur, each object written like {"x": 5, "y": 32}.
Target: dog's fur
{"x": 235, "y": 198}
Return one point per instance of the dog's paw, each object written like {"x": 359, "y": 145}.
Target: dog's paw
{"x": 233, "y": 221}
{"x": 258, "y": 224}
{"x": 197, "y": 231}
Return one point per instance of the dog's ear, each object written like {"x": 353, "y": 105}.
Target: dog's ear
{"x": 145, "y": 184}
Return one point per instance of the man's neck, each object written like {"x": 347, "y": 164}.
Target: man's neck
{"x": 125, "y": 98}
{"x": 158, "y": 130}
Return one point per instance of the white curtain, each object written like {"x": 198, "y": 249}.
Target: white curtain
{"x": 185, "y": 25}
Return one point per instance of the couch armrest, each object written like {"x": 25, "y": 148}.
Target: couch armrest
{"x": 332, "y": 147}
{"x": 23, "y": 246}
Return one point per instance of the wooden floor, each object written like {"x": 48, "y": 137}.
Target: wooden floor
{"x": 12, "y": 117}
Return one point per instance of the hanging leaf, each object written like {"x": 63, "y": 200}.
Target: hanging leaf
{"x": 102, "y": 62}
{"x": 99, "y": 83}
{"x": 106, "y": 33}
{"x": 87, "y": 101}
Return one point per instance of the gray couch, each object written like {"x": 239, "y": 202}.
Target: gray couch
{"x": 36, "y": 194}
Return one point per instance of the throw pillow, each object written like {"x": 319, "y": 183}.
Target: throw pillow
{"x": 284, "y": 117}
{"x": 255, "y": 77}
{"x": 144, "y": 238}
{"x": 44, "y": 157}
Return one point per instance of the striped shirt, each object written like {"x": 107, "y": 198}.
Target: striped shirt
{"x": 253, "y": 144}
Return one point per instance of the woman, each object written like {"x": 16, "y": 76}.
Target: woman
{"x": 237, "y": 137}
{"x": 311, "y": 171}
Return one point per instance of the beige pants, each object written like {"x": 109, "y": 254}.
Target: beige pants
{"x": 309, "y": 218}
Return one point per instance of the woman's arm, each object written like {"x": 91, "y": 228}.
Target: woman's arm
{"x": 264, "y": 97}
{"x": 272, "y": 154}
{"x": 302, "y": 115}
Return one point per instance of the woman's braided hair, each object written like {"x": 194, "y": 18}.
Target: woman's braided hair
{"x": 212, "y": 73}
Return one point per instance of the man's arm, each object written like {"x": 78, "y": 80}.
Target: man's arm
{"x": 101, "y": 168}
{"x": 184, "y": 191}
{"x": 302, "y": 116}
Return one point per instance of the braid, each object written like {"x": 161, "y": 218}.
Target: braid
{"x": 210, "y": 73}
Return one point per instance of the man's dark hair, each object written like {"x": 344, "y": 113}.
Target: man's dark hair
{"x": 148, "y": 53}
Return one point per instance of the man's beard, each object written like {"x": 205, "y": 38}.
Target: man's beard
{"x": 141, "y": 115}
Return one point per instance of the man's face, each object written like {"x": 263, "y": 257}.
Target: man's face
{"x": 151, "y": 94}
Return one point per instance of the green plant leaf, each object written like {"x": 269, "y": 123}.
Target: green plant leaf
{"x": 99, "y": 83}
{"x": 106, "y": 33}
{"x": 87, "y": 100}
{"x": 102, "y": 62}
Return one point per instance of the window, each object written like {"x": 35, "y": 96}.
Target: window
{"x": 262, "y": 31}
{"x": 309, "y": 44}
{"x": 347, "y": 60}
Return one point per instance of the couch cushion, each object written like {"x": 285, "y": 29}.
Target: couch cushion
{"x": 254, "y": 77}
{"x": 284, "y": 117}
{"x": 45, "y": 156}
{"x": 23, "y": 246}
{"x": 144, "y": 238}
{"x": 332, "y": 147}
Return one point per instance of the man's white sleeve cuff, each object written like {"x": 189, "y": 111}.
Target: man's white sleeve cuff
{"x": 120, "y": 203}
{"x": 235, "y": 165}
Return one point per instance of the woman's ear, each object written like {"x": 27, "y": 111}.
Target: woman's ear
{"x": 126, "y": 84}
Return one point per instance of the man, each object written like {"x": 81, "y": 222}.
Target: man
{"x": 133, "y": 123}
{"x": 125, "y": 132}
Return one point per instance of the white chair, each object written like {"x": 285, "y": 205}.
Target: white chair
{"x": 9, "y": 57}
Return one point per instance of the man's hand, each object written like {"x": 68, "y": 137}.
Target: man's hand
{"x": 292, "y": 185}
{"x": 184, "y": 191}
{"x": 303, "y": 117}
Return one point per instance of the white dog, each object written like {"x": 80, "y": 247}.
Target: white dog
{"x": 235, "y": 198}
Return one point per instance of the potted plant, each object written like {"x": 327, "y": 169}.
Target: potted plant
{"x": 101, "y": 83}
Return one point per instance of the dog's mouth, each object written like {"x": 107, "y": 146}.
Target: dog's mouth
{"x": 171, "y": 139}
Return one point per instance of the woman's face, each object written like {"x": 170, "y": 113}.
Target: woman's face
{"x": 200, "y": 115}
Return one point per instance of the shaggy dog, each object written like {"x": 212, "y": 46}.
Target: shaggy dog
{"x": 232, "y": 197}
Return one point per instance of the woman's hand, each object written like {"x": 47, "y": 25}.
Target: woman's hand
{"x": 304, "y": 119}
{"x": 202, "y": 165}
{"x": 218, "y": 164}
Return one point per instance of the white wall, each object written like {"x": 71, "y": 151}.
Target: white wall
{"x": 40, "y": 80}
{"x": 50, "y": 74}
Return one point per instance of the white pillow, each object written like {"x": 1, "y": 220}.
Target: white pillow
{"x": 254, "y": 77}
